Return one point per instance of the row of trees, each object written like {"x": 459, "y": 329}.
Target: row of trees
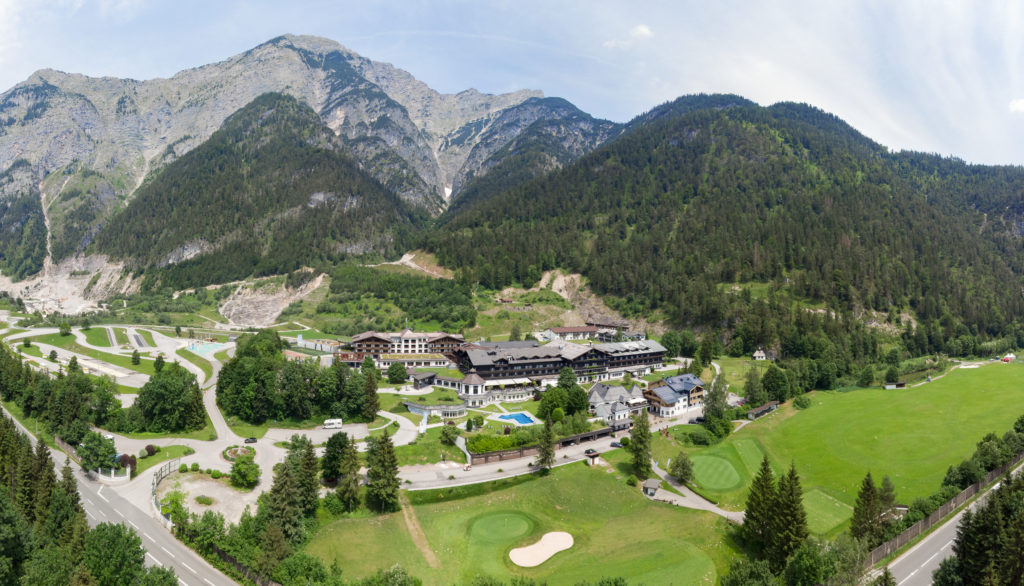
{"x": 44, "y": 536}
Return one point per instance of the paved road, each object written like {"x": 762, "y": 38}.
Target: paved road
{"x": 915, "y": 567}
{"x": 103, "y": 505}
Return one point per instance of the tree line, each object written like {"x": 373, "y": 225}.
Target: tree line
{"x": 44, "y": 536}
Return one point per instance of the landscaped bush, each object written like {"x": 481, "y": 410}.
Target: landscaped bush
{"x": 195, "y": 466}
{"x": 204, "y": 500}
{"x": 802, "y": 402}
{"x": 632, "y": 481}
{"x": 695, "y": 435}
{"x": 143, "y": 453}
{"x": 625, "y": 442}
{"x": 151, "y": 449}
{"x": 333, "y": 504}
{"x": 183, "y": 468}
{"x": 216, "y": 474}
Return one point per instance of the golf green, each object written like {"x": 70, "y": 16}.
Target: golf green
{"x": 501, "y": 526}
{"x": 715, "y": 473}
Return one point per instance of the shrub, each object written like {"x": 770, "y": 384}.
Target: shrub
{"x": 143, "y": 453}
{"x": 632, "y": 481}
{"x": 625, "y": 442}
{"x": 204, "y": 500}
{"x": 333, "y": 504}
{"x": 697, "y": 436}
{"x": 209, "y": 471}
{"x": 189, "y": 451}
{"x": 183, "y": 468}
{"x": 150, "y": 449}
{"x": 195, "y": 466}
{"x": 156, "y": 449}
{"x": 449, "y": 434}
{"x": 802, "y": 402}
{"x": 216, "y": 474}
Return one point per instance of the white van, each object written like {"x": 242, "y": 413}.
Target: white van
{"x": 332, "y": 424}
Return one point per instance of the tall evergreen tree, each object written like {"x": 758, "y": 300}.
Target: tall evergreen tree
{"x": 348, "y": 471}
{"x": 285, "y": 504}
{"x": 757, "y": 518}
{"x": 866, "y": 523}
{"x": 382, "y": 476}
{"x": 789, "y": 522}
{"x": 371, "y": 404}
{"x": 309, "y": 480}
{"x": 640, "y": 446}
{"x": 330, "y": 465}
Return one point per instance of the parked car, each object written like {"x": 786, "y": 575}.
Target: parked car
{"x": 250, "y": 440}
{"x": 616, "y": 445}
{"x": 108, "y": 436}
{"x": 590, "y": 451}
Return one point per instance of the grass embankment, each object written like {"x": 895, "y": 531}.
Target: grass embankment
{"x": 206, "y": 433}
{"x": 910, "y": 435}
{"x": 120, "y": 336}
{"x": 97, "y": 336}
{"x": 165, "y": 454}
{"x": 199, "y": 361}
{"x": 617, "y": 532}
{"x": 147, "y": 336}
{"x": 249, "y": 430}
{"x": 428, "y": 449}
{"x": 145, "y": 366}
{"x": 30, "y": 423}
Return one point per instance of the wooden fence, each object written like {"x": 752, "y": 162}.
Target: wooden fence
{"x": 907, "y": 535}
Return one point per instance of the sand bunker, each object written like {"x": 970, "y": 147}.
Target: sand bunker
{"x": 538, "y": 553}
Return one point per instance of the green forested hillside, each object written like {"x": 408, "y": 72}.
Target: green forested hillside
{"x": 713, "y": 190}
{"x": 22, "y": 227}
{"x": 556, "y": 139}
{"x": 267, "y": 193}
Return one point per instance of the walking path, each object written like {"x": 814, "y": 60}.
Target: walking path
{"x": 690, "y": 499}
{"x": 416, "y": 532}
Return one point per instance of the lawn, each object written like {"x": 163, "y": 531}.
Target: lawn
{"x": 911, "y": 435}
{"x": 147, "y": 336}
{"x": 32, "y": 425}
{"x": 438, "y": 396}
{"x": 166, "y": 453}
{"x": 199, "y": 361}
{"x": 472, "y": 529}
{"x": 120, "y": 336}
{"x": 68, "y": 343}
{"x": 735, "y": 370}
{"x": 97, "y": 336}
{"x": 244, "y": 429}
{"x": 427, "y": 450}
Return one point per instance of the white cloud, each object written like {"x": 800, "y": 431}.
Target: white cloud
{"x": 1017, "y": 106}
{"x": 637, "y": 33}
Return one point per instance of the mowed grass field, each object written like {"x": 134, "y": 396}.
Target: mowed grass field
{"x": 911, "y": 435}
{"x": 616, "y": 530}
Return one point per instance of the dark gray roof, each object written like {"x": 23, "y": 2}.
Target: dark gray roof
{"x": 684, "y": 382}
{"x": 667, "y": 395}
{"x": 652, "y": 483}
{"x": 424, "y": 375}
{"x": 643, "y": 346}
{"x": 566, "y": 350}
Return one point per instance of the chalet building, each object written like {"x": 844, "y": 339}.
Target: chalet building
{"x": 759, "y": 354}
{"x": 616, "y": 404}
{"x": 590, "y": 362}
{"x": 406, "y": 342}
{"x": 570, "y": 334}
{"x": 763, "y": 410}
{"x": 671, "y": 396}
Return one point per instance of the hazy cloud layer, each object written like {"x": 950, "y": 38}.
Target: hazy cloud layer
{"x": 911, "y": 74}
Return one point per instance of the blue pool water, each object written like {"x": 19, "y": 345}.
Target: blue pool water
{"x": 520, "y": 418}
{"x": 206, "y": 349}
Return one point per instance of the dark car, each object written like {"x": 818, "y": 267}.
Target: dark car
{"x": 616, "y": 445}
{"x": 590, "y": 451}
{"x": 250, "y": 440}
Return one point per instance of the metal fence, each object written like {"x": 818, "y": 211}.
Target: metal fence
{"x": 907, "y": 535}
{"x": 163, "y": 472}
{"x": 67, "y": 449}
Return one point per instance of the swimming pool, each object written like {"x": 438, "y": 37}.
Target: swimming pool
{"x": 206, "y": 349}
{"x": 521, "y": 418}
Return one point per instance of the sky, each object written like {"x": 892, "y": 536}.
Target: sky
{"x": 939, "y": 76}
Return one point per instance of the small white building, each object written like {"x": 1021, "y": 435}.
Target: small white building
{"x": 759, "y": 354}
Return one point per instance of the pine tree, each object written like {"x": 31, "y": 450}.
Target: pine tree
{"x": 285, "y": 504}
{"x": 44, "y": 483}
{"x": 309, "y": 480}
{"x": 330, "y": 465}
{"x": 136, "y": 357}
{"x": 371, "y": 405}
{"x": 274, "y": 547}
{"x": 757, "y": 524}
{"x": 640, "y": 446}
{"x": 158, "y": 364}
{"x": 382, "y": 476}
{"x": 348, "y": 483}
{"x": 682, "y": 468}
{"x": 546, "y": 448}
{"x": 866, "y": 521}
{"x": 886, "y": 579}
{"x": 789, "y": 522}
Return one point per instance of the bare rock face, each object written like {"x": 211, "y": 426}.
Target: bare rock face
{"x": 91, "y": 142}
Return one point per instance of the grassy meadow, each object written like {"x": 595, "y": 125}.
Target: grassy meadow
{"x": 911, "y": 435}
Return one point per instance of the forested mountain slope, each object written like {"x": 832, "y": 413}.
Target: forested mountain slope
{"x": 714, "y": 189}
{"x": 271, "y": 191}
